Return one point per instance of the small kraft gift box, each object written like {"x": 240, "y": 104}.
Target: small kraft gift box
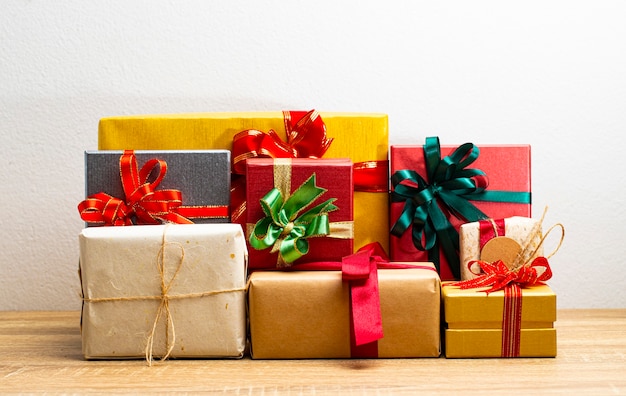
{"x": 299, "y": 210}
{"x": 155, "y": 187}
{"x": 506, "y": 309}
{"x": 434, "y": 191}
{"x": 362, "y": 137}
{"x": 173, "y": 290}
{"x": 360, "y": 307}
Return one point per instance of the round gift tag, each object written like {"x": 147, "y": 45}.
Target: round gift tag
{"x": 501, "y": 248}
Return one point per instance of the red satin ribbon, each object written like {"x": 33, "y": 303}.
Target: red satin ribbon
{"x": 360, "y": 270}
{"x": 490, "y": 229}
{"x": 306, "y": 138}
{"x": 144, "y": 204}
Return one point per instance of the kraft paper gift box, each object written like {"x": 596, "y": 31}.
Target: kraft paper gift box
{"x": 305, "y": 314}
{"x": 178, "y": 285}
{"x": 507, "y": 168}
{"x": 475, "y": 236}
{"x": 474, "y": 323}
{"x": 331, "y": 178}
{"x": 202, "y": 177}
{"x": 362, "y": 137}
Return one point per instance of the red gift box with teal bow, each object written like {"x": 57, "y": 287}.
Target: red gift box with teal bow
{"x": 299, "y": 210}
{"x": 437, "y": 188}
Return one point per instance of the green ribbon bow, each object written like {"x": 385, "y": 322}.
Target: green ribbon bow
{"x": 450, "y": 185}
{"x": 284, "y": 228}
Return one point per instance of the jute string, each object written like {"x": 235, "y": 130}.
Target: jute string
{"x": 523, "y": 258}
{"x": 165, "y": 298}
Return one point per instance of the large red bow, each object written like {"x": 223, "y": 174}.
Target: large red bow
{"x": 306, "y": 138}
{"x": 144, "y": 204}
{"x": 498, "y": 275}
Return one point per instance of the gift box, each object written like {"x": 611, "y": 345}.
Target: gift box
{"x": 175, "y": 290}
{"x": 153, "y": 187}
{"x": 362, "y": 137}
{"x": 477, "y": 324}
{"x": 484, "y": 240}
{"x": 285, "y": 195}
{"x": 507, "y": 169}
{"x": 306, "y": 314}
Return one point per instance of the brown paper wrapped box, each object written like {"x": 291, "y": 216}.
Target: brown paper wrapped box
{"x": 305, "y": 314}
{"x": 205, "y": 268}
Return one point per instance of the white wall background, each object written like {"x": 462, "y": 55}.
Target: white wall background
{"x": 548, "y": 73}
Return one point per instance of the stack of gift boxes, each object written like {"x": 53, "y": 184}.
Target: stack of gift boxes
{"x": 304, "y": 235}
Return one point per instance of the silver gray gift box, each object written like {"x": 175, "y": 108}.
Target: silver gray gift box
{"x": 202, "y": 176}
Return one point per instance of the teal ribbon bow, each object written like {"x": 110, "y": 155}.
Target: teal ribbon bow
{"x": 286, "y": 230}
{"x": 449, "y": 187}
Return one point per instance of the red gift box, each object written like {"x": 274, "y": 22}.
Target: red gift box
{"x": 507, "y": 168}
{"x": 330, "y": 179}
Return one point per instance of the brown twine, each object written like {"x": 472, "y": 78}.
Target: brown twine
{"x": 523, "y": 257}
{"x": 164, "y": 298}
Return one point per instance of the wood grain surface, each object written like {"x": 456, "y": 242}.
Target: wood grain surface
{"x": 40, "y": 352}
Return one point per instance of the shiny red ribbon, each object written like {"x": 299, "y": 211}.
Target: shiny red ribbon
{"x": 360, "y": 270}
{"x": 144, "y": 204}
{"x": 498, "y": 276}
{"x": 306, "y": 138}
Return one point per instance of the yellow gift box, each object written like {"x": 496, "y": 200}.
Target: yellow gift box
{"x": 306, "y": 314}
{"x": 474, "y": 321}
{"x": 359, "y": 136}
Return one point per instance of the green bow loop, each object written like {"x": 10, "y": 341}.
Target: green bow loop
{"x": 450, "y": 185}
{"x": 285, "y": 228}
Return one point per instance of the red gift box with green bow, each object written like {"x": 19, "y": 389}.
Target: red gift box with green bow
{"x": 437, "y": 188}
{"x": 299, "y": 210}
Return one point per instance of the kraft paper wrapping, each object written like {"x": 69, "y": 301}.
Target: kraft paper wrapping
{"x": 358, "y": 136}
{"x": 474, "y": 322}
{"x": 517, "y": 228}
{"x": 121, "y": 264}
{"x": 305, "y": 314}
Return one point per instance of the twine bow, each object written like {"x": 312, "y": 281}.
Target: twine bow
{"x": 449, "y": 185}
{"x": 285, "y": 228}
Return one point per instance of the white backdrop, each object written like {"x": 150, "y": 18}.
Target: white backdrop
{"x": 548, "y": 73}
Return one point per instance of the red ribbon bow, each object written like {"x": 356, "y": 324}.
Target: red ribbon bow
{"x": 306, "y": 138}
{"x": 360, "y": 270}
{"x": 144, "y": 204}
{"x": 498, "y": 276}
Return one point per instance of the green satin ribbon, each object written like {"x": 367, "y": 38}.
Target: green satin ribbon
{"x": 284, "y": 228}
{"x": 449, "y": 185}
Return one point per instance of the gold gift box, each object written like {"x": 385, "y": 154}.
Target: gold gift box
{"x": 305, "y": 314}
{"x": 205, "y": 268}
{"x": 473, "y": 322}
{"x": 358, "y": 136}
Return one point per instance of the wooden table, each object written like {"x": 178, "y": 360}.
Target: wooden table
{"x": 40, "y": 352}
